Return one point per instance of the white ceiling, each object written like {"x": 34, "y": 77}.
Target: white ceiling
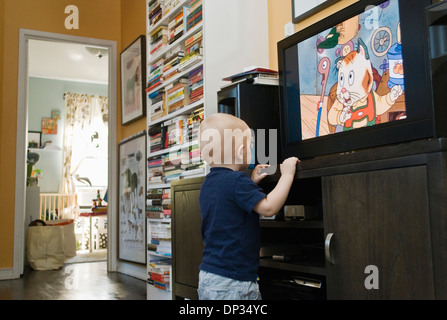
{"x": 67, "y": 61}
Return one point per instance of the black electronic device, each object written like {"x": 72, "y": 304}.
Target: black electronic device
{"x": 257, "y": 105}
{"x": 373, "y": 74}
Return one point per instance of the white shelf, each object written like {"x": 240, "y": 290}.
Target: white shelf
{"x": 154, "y": 253}
{"x": 166, "y": 220}
{"x": 158, "y": 185}
{"x": 223, "y": 40}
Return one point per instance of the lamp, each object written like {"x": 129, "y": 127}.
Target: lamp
{"x": 97, "y": 51}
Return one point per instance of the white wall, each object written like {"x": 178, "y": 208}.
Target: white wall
{"x": 44, "y": 96}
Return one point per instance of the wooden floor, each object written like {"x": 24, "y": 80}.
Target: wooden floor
{"x": 76, "y": 281}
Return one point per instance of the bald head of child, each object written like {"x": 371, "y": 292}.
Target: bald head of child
{"x": 225, "y": 141}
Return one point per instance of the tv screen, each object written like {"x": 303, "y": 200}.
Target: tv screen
{"x": 348, "y": 62}
{"x": 345, "y": 81}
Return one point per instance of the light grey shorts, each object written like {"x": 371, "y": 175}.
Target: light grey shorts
{"x": 215, "y": 287}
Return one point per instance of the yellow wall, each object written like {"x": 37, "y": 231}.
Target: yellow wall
{"x": 133, "y": 24}
{"x": 2, "y": 18}
{"x": 280, "y": 13}
{"x": 116, "y": 20}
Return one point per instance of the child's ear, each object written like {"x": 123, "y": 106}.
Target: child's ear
{"x": 240, "y": 154}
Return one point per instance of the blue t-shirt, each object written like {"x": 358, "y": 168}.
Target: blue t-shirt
{"x": 230, "y": 227}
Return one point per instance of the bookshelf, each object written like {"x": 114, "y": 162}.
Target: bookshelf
{"x": 191, "y": 46}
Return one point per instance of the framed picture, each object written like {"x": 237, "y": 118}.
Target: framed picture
{"x": 304, "y": 9}
{"x": 133, "y": 79}
{"x": 49, "y": 126}
{"x": 34, "y": 139}
{"x": 132, "y": 199}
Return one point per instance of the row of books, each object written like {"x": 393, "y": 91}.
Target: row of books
{"x": 175, "y": 132}
{"x": 195, "y": 83}
{"x": 156, "y": 110}
{"x": 160, "y": 243}
{"x": 192, "y": 134}
{"x": 155, "y": 77}
{"x": 158, "y": 39}
{"x": 188, "y": 17}
{"x": 193, "y": 50}
{"x": 175, "y": 61}
{"x": 159, "y": 8}
{"x": 177, "y": 95}
{"x": 193, "y": 14}
{"x": 160, "y": 238}
{"x": 160, "y": 246}
{"x": 155, "y": 11}
{"x": 159, "y": 270}
{"x": 171, "y": 62}
{"x": 253, "y": 72}
{"x": 158, "y": 203}
{"x": 170, "y": 5}
{"x": 175, "y": 28}
{"x": 167, "y": 134}
{"x": 185, "y": 163}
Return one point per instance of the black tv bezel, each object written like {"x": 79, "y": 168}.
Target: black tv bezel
{"x": 418, "y": 91}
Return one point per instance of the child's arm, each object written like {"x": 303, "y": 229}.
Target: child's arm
{"x": 274, "y": 201}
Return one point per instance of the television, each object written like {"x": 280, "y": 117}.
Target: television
{"x": 360, "y": 78}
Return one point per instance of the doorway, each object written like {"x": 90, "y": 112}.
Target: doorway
{"x": 41, "y": 65}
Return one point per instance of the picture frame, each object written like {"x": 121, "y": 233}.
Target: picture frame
{"x": 34, "y": 139}
{"x": 132, "y": 199}
{"x": 49, "y": 126}
{"x": 304, "y": 9}
{"x": 133, "y": 80}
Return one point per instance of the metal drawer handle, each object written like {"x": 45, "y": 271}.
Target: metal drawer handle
{"x": 327, "y": 248}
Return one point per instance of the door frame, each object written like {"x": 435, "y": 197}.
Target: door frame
{"x": 21, "y": 149}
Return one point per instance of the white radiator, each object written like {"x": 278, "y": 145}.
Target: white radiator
{"x": 55, "y": 206}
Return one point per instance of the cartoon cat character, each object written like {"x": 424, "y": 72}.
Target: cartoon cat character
{"x": 357, "y": 105}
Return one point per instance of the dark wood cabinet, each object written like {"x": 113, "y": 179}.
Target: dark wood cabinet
{"x": 187, "y": 242}
{"x": 378, "y": 221}
{"x": 381, "y": 233}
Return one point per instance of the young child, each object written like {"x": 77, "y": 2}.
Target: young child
{"x": 230, "y": 203}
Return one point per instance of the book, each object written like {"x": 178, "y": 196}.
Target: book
{"x": 175, "y": 28}
{"x": 195, "y": 82}
{"x": 189, "y": 59}
{"x": 250, "y": 72}
{"x": 177, "y": 95}
{"x": 193, "y": 14}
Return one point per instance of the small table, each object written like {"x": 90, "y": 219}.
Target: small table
{"x": 91, "y": 215}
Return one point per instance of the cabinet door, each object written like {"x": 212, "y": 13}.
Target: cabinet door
{"x": 378, "y": 235}
{"x": 187, "y": 237}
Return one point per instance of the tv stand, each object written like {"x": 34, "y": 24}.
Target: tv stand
{"x": 381, "y": 233}
{"x": 383, "y": 209}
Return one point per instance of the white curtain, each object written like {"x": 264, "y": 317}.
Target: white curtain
{"x": 83, "y": 113}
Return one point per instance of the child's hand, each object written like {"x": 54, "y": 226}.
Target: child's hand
{"x": 288, "y": 167}
{"x": 256, "y": 175}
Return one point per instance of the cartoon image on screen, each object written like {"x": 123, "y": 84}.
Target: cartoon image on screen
{"x": 352, "y": 76}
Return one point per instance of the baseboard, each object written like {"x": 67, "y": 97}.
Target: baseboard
{"x": 8, "y": 274}
{"x": 132, "y": 270}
